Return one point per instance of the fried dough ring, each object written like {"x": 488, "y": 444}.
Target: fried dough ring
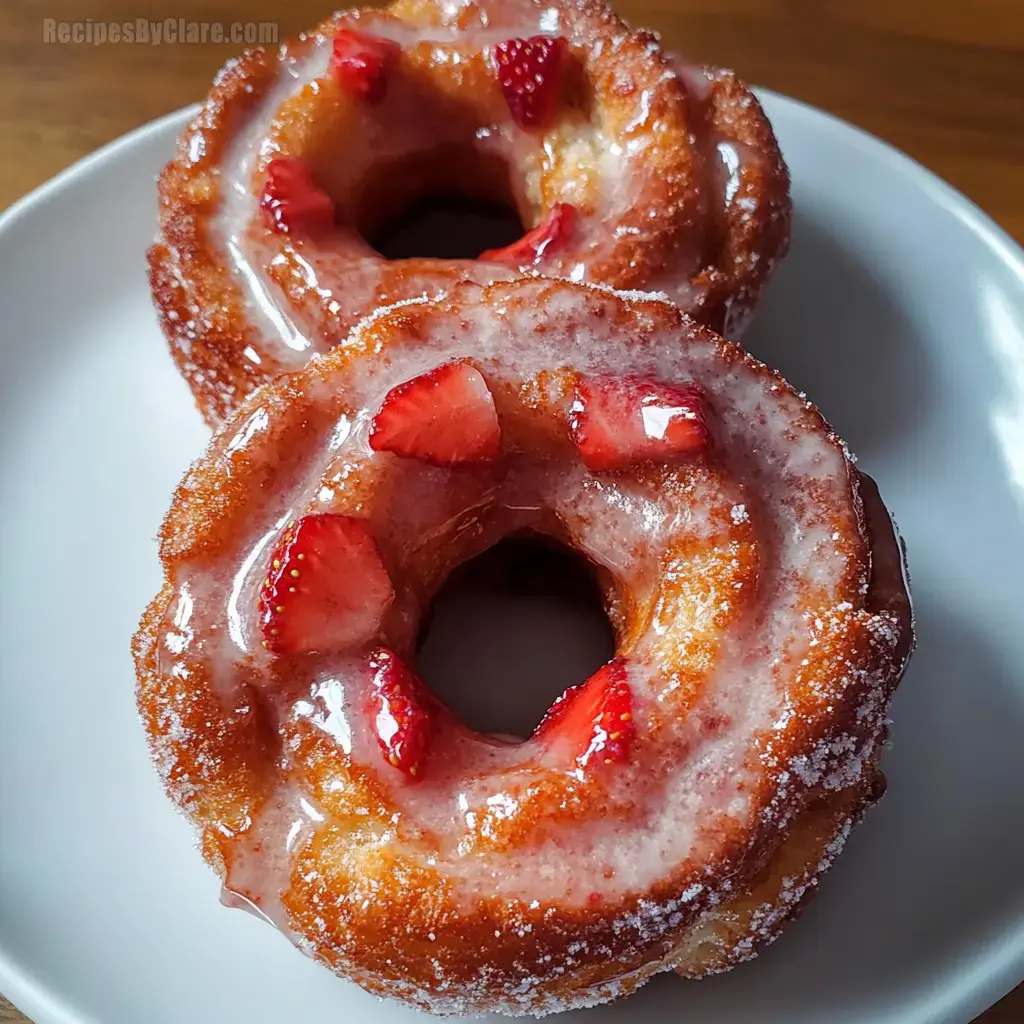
{"x": 757, "y": 595}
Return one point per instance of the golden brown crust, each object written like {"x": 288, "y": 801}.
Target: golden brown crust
{"x": 376, "y": 908}
{"x": 198, "y": 303}
{"x": 738, "y": 928}
{"x": 757, "y": 219}
{"x": 708, "y": 241}
{"x": 214, "y": 762}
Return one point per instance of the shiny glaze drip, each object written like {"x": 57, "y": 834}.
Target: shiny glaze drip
{"x": 265, "y": 306}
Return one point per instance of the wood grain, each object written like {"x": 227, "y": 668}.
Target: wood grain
{"x": 941, "y": 79}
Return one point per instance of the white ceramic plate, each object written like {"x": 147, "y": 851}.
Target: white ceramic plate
{"x": 900, "y": 310}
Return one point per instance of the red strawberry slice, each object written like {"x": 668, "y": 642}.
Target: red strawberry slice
{"x": 401, "y": 713}
{"x": 550, "y": 235}
{"x": 595, "y": 719}
{"x": 617, "y": 421}
{"x": 444, "y": 416}
{"x": 327, "y": 587}
{"x": 361, "y": 63}
{"x": 293, "y": 200}
{"x": 531, "y": 73}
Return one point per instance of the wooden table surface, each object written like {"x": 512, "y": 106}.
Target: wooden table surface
{"x": 941, "y": 79}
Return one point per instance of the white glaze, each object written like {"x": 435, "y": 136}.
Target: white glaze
{"x": 265, "y": 306}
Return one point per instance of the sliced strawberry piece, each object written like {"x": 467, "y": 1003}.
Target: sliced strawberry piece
{"x": 617, "y": 421}
{"x": 550, "y": 235}
{"x": 444, "y": 416}
{"x": 293, "y": 200}
{"x": 361, "y": 63}
{"x": 595, "y": 719}
{"x": 402, "y": 716}
{"x": 327, "y": 587}
{"x": 531, "y": 73}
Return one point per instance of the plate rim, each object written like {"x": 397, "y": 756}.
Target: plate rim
{"x": 1005, "y": 954}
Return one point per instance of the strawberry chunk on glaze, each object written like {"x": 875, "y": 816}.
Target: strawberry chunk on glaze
{"x": 326, "y": 589}
{"x": 552, "y": 233}
{"x": 292, "y": 199}
{"x": 531, "y": 73}
{"x": 401, "y": 712}
{"x": 361, "y": 63}
{"x": 594, "y": 720}
{"x": 445, "y": 416}
{"x": 618, "y": 421}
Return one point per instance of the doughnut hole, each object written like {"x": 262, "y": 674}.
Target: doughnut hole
{"x": 450, "y": 203}
{"x": 527, "y": 617}
{"x": 448, "y": 229}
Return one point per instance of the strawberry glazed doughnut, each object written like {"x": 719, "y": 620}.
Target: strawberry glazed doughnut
{"x": 670, "y": 812}
{"x": 626, "y": 167}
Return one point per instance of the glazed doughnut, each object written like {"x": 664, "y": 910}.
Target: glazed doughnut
{"x": 670, "y": 813}
{"x": 628, "y": 168}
